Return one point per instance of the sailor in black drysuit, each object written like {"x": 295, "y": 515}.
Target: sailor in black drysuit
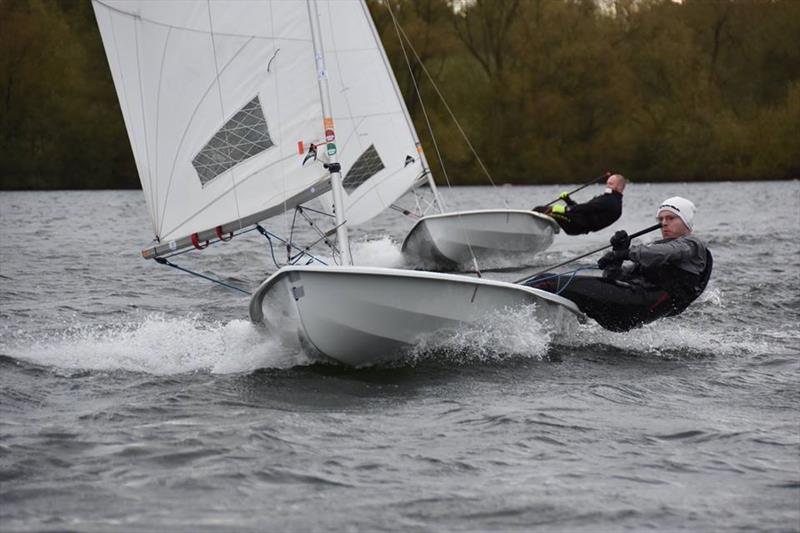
{"x": 678, "y": 265}
{"x": 662, "y": 278}
{"x": 594, "y": 215}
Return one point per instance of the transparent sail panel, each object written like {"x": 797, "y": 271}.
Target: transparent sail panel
{"x": 242, "y": 137}
{"x": 367, "y": 165}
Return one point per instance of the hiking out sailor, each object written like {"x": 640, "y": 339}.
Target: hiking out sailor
{"x": 679, "y": 264}
{"x": 596, "y": 214}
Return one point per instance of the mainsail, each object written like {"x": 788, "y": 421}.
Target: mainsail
{"x": 220, "y": 100}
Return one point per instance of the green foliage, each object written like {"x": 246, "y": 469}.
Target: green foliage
{"x": 546, "y": 90}
{"x": 60, "y": 125}
{"x": 559, "y": 90}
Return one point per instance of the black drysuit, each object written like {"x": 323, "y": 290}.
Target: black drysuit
{"x": 594, "y": 215}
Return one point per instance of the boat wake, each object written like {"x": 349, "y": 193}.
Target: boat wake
{"x": 381, "y": 252}
{"x": 158, "y": 345}
{"x": 672, "y": 338}
{"x": 502, "y": 336}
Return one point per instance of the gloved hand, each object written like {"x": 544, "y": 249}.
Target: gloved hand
{"x": 558, "y": 209}
{"x": 541, "y": 208}
{"x": 613, "y": 258}
{"x": 620, "y": 240}
{"x": 564, "y": 196}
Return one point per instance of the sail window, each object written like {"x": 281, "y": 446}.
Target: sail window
{"x": 367, "y": 165}
{"x": 242, "y": 137}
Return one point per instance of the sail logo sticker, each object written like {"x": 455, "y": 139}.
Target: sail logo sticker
{"x": 331, "y": 149}
{"x": 330, "y": 136}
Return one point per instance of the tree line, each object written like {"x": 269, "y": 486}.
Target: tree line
{"x": 544, "y": 90}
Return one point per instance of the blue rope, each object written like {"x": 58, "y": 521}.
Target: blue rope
{"x": 163, "y": 261}
{"x": 571, "y": 274}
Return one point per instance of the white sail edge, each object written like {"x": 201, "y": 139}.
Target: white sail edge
{"x": 192, "y": 241}
{"x": 425, "y": 177}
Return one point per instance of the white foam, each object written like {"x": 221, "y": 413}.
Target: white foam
{"x": 381, "y": 252}
{"x": 160, "y": 345}
{"x": 669, "y": 337}
{"x": 519, "y": 333}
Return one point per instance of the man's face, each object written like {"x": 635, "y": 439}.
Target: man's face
{"x": 672, "y": 226}
{"x": 614, "y": 183}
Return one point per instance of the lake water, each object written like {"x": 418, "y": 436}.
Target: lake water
{"x": 137, "y": 397}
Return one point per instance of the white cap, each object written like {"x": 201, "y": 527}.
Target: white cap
{"x": 680, "y": 206}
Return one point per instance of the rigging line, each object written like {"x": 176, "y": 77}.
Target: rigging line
{"x": 163, "y": 261}
{"x": 449, "y": 110}
{"x": 430, "y": 128}
{"x": 317, "y": 211}
{"x": 419, "y": 95}
{"x": 271, "y": 249}
{"x": 222, "y": 108}
{"x": 322, "y": 236}
{"x": 269, "y": 234}
{"x": 423, "y": 161}
{"x": 291, "y": 232}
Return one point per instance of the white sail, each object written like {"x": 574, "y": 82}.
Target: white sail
{"x": 220, "y": 100}
{"x": 376, "y": 143}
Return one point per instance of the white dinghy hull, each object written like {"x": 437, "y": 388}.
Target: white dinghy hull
{"x": 361, "y": 316}
{"x": 443, "y": 242}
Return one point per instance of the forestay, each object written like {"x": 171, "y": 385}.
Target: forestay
{"x": 221, "y": 101}
{"x": 377, "y": 146}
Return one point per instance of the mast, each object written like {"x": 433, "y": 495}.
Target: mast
{"x": 333, "y": 165}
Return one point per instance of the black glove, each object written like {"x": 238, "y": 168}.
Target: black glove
{"x": 620, "y": 240}
{"x": 541, "y": 208}
{"x": 613, "y": 258}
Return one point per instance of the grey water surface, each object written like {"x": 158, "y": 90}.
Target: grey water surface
{"x": 134, "y": 397}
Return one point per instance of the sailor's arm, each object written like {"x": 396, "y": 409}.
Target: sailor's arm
{"x": 660, "y": 253}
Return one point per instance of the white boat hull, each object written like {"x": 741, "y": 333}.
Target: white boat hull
{"x": 363, "y": 316}
{"x": 443, "y": 242}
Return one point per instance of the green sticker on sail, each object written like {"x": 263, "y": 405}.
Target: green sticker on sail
{"x": 331, "y": 149}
